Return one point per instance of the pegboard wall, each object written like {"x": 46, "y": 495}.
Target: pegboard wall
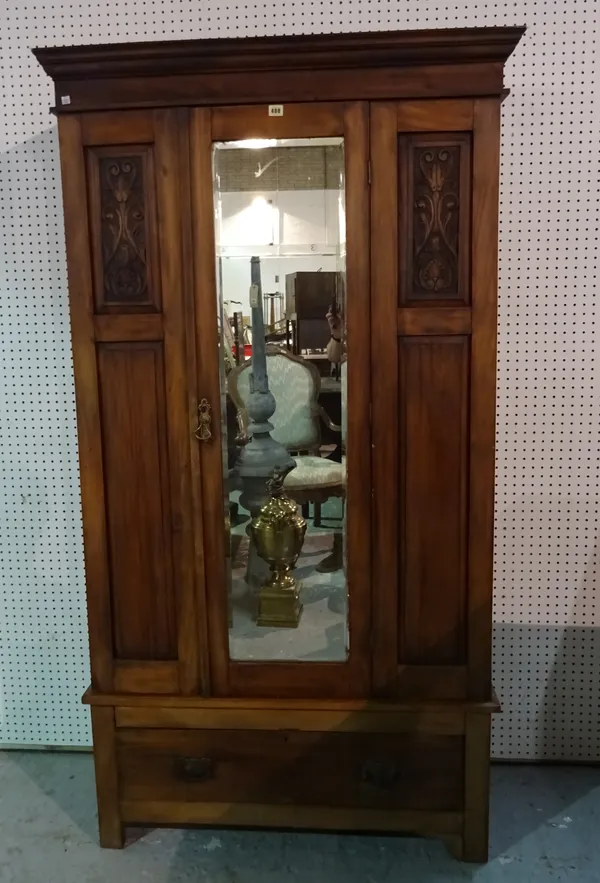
{"x": 547, "y": 641}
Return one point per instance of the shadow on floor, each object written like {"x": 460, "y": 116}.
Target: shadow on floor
{"x": 544, "y": 825}
{"x": 527, "y": 797}
{"x": 278, "y": 857}
{"x": 68, "y": 779}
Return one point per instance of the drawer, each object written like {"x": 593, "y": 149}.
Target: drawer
{"x": 366, "y": 770}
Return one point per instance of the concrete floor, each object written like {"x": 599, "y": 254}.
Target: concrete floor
{"x": 545, "y": 827}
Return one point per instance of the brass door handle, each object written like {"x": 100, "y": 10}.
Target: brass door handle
{"x": 203, "y": 431}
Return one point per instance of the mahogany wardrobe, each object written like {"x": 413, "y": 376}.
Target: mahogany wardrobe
{"x": 374, "y": 158}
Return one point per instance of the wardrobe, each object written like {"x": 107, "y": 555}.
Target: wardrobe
{"x": 182, "y": 161}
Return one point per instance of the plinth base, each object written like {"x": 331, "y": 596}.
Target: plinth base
{"x": 279, "y": 608}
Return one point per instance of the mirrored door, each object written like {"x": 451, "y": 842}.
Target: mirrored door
{"x": 289, "y": 449}
{"x": 281, "y": 281}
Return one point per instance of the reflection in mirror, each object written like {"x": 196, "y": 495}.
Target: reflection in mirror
{"x": 280, "y": 234}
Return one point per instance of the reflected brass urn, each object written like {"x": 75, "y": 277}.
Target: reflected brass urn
{"x": 278, "y": 533}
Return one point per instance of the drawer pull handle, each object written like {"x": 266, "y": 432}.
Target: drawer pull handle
{"x": 380, "y": 772}
{"x": 195, "y": 769}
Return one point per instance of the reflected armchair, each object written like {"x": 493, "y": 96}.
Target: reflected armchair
{"x": 295, "y": 384}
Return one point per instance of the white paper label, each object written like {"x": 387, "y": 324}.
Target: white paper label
{"x": 254, "y": 295}
{"x": 275, "y": 110}
{"x": 65, "y": 99}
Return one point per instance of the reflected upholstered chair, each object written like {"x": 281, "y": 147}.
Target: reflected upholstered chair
{"x": 338, "y": 554}
{"x": 295, "y": 384}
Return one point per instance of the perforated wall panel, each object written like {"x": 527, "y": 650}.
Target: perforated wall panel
{"x": 547, "y": 645}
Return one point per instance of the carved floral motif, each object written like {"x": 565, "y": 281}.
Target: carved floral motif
{"x": 436, "y": 206}
{"x": 123, "y": 223}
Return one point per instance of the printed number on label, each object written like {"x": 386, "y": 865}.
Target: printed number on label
{"x": 275, "y": 110}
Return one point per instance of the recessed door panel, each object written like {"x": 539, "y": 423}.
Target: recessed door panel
{"x": 138, "y": 507}
{"x": 433, "y": 481}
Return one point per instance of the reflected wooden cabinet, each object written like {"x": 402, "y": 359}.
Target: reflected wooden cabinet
{"x": 194, "y": 174}
{"x": 308, "y": 297}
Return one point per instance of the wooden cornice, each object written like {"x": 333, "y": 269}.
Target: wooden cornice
{"x": 320, "y": 67}
{"x": 323, "y": 51}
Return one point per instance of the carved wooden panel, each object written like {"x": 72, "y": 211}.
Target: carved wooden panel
{"x": 123, "y": 228}
{"x": 434, "y": 443}
{"x": 435, "y": 193}
{"x": 138, "y": 505}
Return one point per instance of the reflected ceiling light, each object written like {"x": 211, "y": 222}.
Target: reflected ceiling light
{"x": 256, "y": 143}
